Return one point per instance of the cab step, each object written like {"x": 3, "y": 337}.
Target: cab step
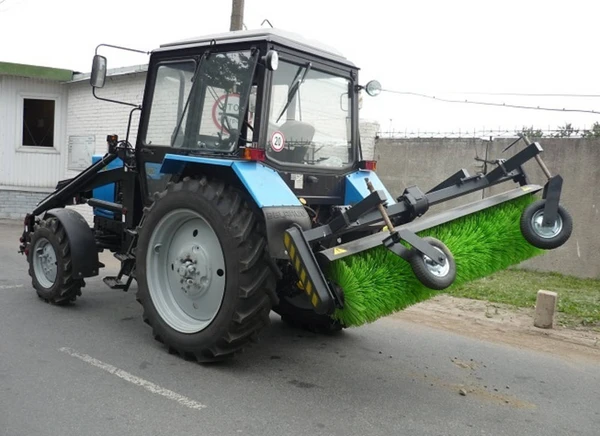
{"x": 124, "y": 256}
{"x": 114, "y": 282}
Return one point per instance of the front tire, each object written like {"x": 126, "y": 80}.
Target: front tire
{"x": 50, "y": 264}
{"x": 202, "y": 272}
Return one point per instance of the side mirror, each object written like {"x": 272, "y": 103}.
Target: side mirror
{"x": 373, "y": 88}
{"x": 271, "y": 60}
{"x": 98, "y": 75}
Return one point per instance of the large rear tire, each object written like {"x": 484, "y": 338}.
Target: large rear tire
{"x": 201, "y": 266}
{"x": 50, "y": 264}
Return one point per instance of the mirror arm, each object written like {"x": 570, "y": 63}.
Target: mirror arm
{"x": 121, "y": 48}
{"x": 139, "y": 106}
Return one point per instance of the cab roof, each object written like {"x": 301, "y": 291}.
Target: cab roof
{"x": 277, "y": 36}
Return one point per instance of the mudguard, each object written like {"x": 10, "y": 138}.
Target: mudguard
{"x": 84, "y": 253}
{"x": 356, "y": 187}
{"x": 280, "y": 206}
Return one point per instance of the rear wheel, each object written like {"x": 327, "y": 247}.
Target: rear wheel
{"x": 50, "y": 265}
{"x": 202, "y": 271}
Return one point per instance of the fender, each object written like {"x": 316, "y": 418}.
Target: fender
{"x": 84, "y": 253}
{"x": 356, "y": 187}
{"x": 280, "y": 206}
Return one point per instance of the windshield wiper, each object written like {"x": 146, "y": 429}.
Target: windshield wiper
{"x": 295, "y": 86}
{"x": 187, "y": 102}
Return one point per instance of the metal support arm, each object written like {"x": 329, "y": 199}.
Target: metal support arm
{"x": 412, "y": 204}
{"x": 59, "y": 197}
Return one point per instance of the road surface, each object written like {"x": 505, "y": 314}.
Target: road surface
{"x": 94, "y": 369}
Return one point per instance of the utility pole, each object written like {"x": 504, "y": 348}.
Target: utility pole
{"x": 237, "y": 15}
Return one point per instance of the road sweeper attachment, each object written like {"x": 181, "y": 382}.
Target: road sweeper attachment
{"x": 246, "y": 191}
{"x": 406, "y": 259}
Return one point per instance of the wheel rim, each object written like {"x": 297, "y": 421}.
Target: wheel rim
{"x": 185, "y": 271}
{"x": 436, "y": 269}
{"x": 44, "y": 262}
{"x": 546, "y": 232}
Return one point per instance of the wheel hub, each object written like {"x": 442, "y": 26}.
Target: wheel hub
{"x": 545, "y": 231}
{"x": 192, "y": 267}
{"x": 44, "y": 263}
{"x": 438, "y": 270}
{"x": 186, "y": 284}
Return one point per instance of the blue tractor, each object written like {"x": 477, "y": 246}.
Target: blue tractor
{"x": 246, "y": 179}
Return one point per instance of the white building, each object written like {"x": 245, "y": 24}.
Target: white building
{"x": 51, "y": 125}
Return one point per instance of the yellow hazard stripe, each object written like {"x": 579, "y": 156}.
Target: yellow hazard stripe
{"x": 305, "y": 282}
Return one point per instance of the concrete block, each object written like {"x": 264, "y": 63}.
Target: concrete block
{"x": 545, "y": 307}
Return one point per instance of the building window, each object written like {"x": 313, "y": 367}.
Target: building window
{"x": 38, "y": 122}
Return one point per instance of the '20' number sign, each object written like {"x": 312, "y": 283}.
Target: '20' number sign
{"x": 277, "y": 141}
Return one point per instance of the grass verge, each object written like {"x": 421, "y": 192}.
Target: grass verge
{"x": 578, "y": 299}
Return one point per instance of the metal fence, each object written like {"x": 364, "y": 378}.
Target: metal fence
{"x": 479, "y": 133}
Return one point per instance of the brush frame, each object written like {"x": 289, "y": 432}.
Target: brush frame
{"x": 413, "y": 203}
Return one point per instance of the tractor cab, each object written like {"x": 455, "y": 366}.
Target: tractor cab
{"x": 263, "y": 95}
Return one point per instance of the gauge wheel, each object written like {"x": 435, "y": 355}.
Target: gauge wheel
{"x": 545, "y": 237}
{"x": 433, "y": 275}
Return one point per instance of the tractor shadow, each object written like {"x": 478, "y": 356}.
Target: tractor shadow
{"x": 283, "y": 345}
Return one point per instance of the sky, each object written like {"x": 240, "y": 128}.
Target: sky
{"x": 447, "y": 49}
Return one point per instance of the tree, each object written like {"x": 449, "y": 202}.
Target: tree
{"x": 566, "y": 131}
{"x": 530, "y": 132}
{"x": 593, "y": 133}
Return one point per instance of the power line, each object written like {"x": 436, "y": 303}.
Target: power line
{"x": 525, "y": 94}
{"x": 483, "y": 103}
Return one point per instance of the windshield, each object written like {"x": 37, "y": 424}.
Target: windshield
{"x": 309, "y": 117}
{"x": 200, "y": 105}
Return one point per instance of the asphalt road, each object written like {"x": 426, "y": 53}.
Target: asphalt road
{"x": 94, "y": 369}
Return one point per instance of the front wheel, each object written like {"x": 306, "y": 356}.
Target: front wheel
{"x": 50, "y": 264}
{"x": 545, "y": 237}
{"x": 202, "y": 272}
{"x": 433, "y": 275}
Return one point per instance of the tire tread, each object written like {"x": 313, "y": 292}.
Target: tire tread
{"x": 70, "y": 288}
{"x": 256, "y": 280}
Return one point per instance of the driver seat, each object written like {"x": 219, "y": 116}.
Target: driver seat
{"x": 297, "y": 132}
{"x": 298, "y": 135}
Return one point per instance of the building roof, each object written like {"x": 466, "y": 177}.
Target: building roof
{"x": 282, "y": 37}
{"x": 35, "y": 72}
{"x": 113, "y": 72}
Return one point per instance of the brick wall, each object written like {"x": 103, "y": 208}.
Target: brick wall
{"x": 87, "y": 115}
{"x": 15, "y": 204}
